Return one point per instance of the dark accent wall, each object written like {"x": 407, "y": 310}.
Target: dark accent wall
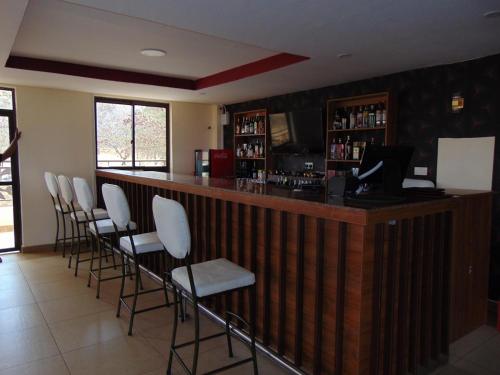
{"x": 423, "y": 114}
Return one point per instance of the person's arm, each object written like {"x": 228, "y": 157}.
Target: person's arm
{"x": 12, "y": 147}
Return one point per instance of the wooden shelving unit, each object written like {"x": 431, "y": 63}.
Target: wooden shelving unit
{"x": 244, "y": 164}
{"x": 378, "y": 133}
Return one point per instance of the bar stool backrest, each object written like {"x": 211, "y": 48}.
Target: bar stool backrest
{"x": 116, "y": 205}
{"x": 84, "y": 194}
{"x": 66, "y": 189}
{"x": 172, "y": 226}
{"x": 51, "y": 182}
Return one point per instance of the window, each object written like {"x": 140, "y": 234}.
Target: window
{"x": 6, "y": 99}
{"x": 131, "y": 134}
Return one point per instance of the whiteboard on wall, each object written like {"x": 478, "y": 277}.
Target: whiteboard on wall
{"x": 465, "y": 163}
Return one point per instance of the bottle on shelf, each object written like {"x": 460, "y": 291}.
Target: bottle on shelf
{"x": 254, "y": 172}
{"x": 348, "y": 149}
{"x": 238, "y": 125}
{"x": 384, "y": 115}
{"x": 340, "y": 150}
{"x": 344, "y": 118}
{"x": 352, "y": 118}
{"x": 378, "y": 115}
{"x": 333, "y": 150}
{"x": 359, "y": 117}
{"x": 371, "y": 117}
{"x": 337, "y": 121}
{"x": 365, "y": 116}
{"x": 238, "y": 151}
{"x": 355, "y": 150}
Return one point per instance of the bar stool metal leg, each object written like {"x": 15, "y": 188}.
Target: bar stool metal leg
{"x": 64, "y": 234}
{"x": 174, "y": 332}
{"x": 57, "y": 226}
{"x": 136, "y": 294}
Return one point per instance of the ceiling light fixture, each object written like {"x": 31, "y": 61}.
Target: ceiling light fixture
{"x": 492, "y": 14}
{"x": 153, "y": 52}
{"x": 344, "y": 55}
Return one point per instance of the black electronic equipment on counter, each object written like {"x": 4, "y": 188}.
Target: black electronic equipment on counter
{"x": 380, "y": 176}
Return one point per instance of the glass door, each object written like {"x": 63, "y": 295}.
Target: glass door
{"x": 10, "y": 225}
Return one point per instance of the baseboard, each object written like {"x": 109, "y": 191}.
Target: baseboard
{"x": 37, "y": 248}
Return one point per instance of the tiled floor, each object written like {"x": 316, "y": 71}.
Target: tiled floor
{"x": 51, "y": 323}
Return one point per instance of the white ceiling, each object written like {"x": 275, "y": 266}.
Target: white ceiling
{"x": 205, "y": 37}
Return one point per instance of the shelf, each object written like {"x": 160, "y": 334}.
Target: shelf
{"x": 250, "y": 135}
{"x": 343, "y": 161}
{"x": 250, "y": 158}
{"x": 356, "y": 129}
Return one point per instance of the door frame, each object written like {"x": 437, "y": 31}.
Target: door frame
{"x": 16, "y": 195}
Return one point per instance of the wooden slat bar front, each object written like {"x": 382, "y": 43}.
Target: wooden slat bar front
{"x": 340, "y": 290}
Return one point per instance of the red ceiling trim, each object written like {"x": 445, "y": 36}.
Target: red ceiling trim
{"x": 251, "y": 69}
{"x": 88, "y": 71}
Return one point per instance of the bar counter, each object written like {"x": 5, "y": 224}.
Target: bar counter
{"x": 340, "y": 289}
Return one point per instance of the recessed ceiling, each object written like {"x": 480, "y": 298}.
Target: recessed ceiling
{"x": 206, "y": 37}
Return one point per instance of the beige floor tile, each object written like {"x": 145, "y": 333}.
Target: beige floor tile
{"x": 57, "y": 289}
{"x": 25, "y": 346}
{"x": 21, "y": 317}
{"x": 87, "y": 330}
{"x": 487, "y": 355}
{"x": 123, "y": 355}
{"x": 15, "y": 297}
{"x": 48, "y": 274}
{"x": 72, "y": 307}
{"x": 160, "y": 337}
{"x": 48, "y": 366}
{"x": 7, "y": 268}
{"x": 471, "y": 341}
{"x": 11, "y": 281}
{"x": 40, "y": 263}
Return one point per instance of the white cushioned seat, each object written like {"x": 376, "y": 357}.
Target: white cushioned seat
{"x": 144, "y": 243}
{"x": 99, "y": 214}
{"x": 214, "y": 276}
{"x": 106, "y": 226}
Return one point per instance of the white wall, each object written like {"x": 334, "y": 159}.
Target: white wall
{"x": 194, "y": 126}
{"x": 58, "y": 136}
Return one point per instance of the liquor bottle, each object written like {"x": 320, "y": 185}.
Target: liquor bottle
{"x": 238, "y": 126}
{"x": 344, "y": 118}
{"x": 352, "y": 118}
{"x": 378, "y": 115}
{"x": 359, "y": 117}
{"x": 259, "y": 125}
{"x": 255, "y": 123}
{"x": 348, "y": 149}
{"x": 384, "y": 116}
{"x": 355, "y": 151}
{"x": 333, "y": 150}
{"x": 337, "y": 121}
{"x": 251, "y": 125}
{"x": 340, "y": 149}
{"x": 262, "y": 151}
{"x": 365, "y": 117}
{"x": 238, "y": 151}
{"x": 254, "y": 172}
{"x": 371, "y": 117}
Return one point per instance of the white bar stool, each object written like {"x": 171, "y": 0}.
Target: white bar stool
{"x": 101, "y": 232}
{"x": 53, "y": 188}
{"x": 200, "y": 280}
{"x": 78, "y": 220}
{"x": 133, "y": 248}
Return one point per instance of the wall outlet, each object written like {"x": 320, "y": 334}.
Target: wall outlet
{"x": 420, "y": 171}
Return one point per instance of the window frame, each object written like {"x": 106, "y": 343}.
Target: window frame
{"x": 133, "y": 103}
{"x": 15, "y": 182}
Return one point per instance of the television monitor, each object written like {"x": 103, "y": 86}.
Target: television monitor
{"x": 297, "y": 132}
